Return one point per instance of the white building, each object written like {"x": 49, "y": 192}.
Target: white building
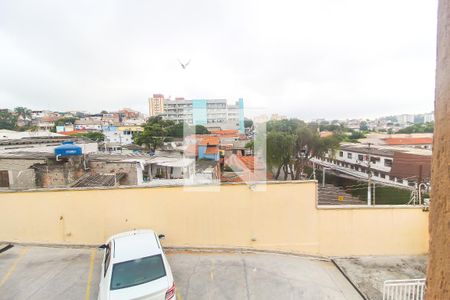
{"x": 396, "y": 166}
{"x": 428, "y": 117}
{"x": 405, "y": 119}
{"x": 211, "y": 113}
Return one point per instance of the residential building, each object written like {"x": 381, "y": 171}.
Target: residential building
{"x": 428, "y": 117}
{"x": 399, "y": 166}
{"x": 211, "y": 113}
{"x": 156, "y": 105}
{"x": 405, "y": 119}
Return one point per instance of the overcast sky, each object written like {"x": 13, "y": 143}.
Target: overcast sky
{"x": 301, "y": 58}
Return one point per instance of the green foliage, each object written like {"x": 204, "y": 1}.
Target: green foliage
{"x": 363, "y": 126}
{"x": 355, "y": 136}
{"x": 419, "y": 128}
{"x": 64, "y": 121}
{"x": 23, "y": 112}
{"x": 248, "y": 123}
{"x": 178, "y": 130}
{"x": 8, "y": 120}
{"x": 292, "y": 143}
{"x": 288, "y": 126}
{"x": 93, "y": 135}
{"x": 157, "y": 131}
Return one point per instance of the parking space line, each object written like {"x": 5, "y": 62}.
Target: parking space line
{"x": 13, "y": 266}
{"x": 179, "y": 295}
{"x": 91, "y": 270}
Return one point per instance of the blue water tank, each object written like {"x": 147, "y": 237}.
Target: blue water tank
{"x": 68, "y": 148}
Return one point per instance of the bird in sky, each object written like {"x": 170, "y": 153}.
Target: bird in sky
{"x": 184, "y": 66}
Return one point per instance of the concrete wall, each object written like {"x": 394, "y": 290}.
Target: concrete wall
{"x": 283, "y": 218}
{"x": 438, "y": 285}
{"x": 21, "y": 173}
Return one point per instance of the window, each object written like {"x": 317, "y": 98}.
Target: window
{"x": 4, "y": 178}
{"x": 360, "y": 157}
{"x": 374, "y": 159}
{"x": 388, "y": 162}
{"x": 349, "y": 155}
{"x": 341, "y": 154}
{"x": 138, "y": 271}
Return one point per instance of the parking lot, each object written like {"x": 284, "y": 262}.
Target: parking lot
{"x": 33, "y": 272}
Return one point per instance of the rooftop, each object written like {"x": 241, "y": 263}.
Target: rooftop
{"x": 408, "y": 141}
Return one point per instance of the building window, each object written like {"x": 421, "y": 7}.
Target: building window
{"x": 349, "y": 155}
{"x": 374, "y": 159}
{"x": 360, "y": 157}
{"x": 4, "y": 178}
{"x": 341, "y": 154}
{"x": 388, "y": 162}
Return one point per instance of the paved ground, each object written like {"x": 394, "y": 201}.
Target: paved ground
{"x": 368, "y": 273}
{"x": 71, "y": 273}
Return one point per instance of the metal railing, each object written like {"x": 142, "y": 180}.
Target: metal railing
{"x": 408, "y": 289}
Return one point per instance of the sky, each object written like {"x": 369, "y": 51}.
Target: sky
{"x": 332, "y": 59}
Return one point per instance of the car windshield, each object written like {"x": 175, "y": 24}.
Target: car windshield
{"x": 138, "y": 271}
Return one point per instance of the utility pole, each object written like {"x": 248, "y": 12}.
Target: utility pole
{"x": 369, "y": 173}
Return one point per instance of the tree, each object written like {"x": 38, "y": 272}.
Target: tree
{"x": 251, "y": 146}
{"x": 419, "y": 128}
{"x": 180, "y": 129}
{"x": 363, "y": 126}
{"x": 8, "y": 120}
{"x": 23, "y": 112}
{"x": 155, "y": 133}
{"x": 248, "y": 123}
{"x": 280, "y": 150}
{"x": 93, "y": 135}
{"x": 64, "y": 121}
{"x": 292, "y": 143}
{"x": 103, "y": 112}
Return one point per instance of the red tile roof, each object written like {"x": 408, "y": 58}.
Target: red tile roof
{"x": 249, "y": 162}
{"x": 73, "y": 132}
{"x": 209, "y": 140}
{"x": 212, "y": 150}
{"x": 408, "y": 141}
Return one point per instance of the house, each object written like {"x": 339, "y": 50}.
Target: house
{"x": 392, "y": 165}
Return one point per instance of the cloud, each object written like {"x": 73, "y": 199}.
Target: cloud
{"x": 333, "y": 59}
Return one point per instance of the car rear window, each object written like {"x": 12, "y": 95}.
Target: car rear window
{"x": 138, "y": 271}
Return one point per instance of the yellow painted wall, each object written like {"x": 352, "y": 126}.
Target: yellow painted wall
{"x": 283, "y": 218}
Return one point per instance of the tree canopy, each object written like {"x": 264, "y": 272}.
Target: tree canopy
{"x": 157, "y": 131}
{"x": 418, "y": 128}
{"x": 8, "y": 120}
{"x": 292, "y": 143}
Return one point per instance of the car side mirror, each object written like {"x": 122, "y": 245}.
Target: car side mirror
{"x": 104, "y": 246}
{"x": 161, "y": 236}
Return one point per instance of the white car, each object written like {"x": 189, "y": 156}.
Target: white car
{"x": 134, "y": 267}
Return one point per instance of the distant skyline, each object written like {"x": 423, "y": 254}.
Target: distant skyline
{"x": 306, "y": 59}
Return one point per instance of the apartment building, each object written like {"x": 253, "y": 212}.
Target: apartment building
{"x": 215, "y": 114}
{"x": 387, "y": 164}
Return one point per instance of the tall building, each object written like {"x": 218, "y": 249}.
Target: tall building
{"x": 156, "y": 105}
{"x": 428, "y": 117}
{"x": 211, "y": 113}
{"x": 405, "y": 119}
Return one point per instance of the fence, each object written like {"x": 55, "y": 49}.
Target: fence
{"x": 408, "y": 289}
